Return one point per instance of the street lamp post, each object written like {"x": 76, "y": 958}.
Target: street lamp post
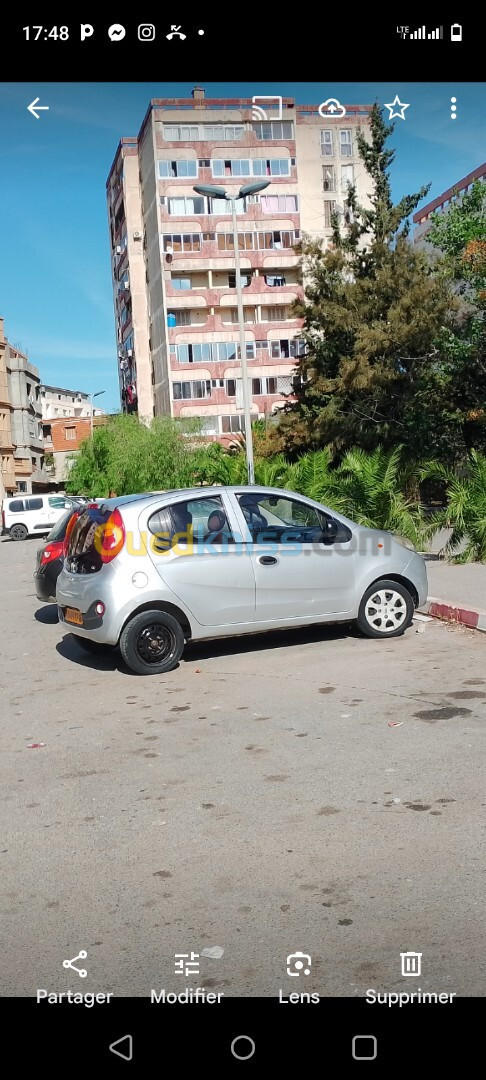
{"x": 91, "y": 399}
{"x": 222, "y": 193}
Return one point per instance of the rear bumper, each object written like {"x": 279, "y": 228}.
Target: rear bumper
{"x": 82, "y": 592}
{"x": 45, "y": 578}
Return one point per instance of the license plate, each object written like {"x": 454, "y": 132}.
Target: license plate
{"x": 74, "y": 616}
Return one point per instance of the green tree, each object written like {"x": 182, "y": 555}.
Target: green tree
{"x": 372, "y": 315}
{"x": 127, "y": 456}
{"x": 377, "y": 490}
{"x": 460, "y": 235}
{"x": 465, "y": 512}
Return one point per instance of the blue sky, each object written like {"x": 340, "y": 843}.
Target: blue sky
{"x": 55, "y": 278}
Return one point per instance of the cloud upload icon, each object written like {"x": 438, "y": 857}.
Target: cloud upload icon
{"x": 332, "y": 107}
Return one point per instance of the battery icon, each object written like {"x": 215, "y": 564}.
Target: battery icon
{"x": 456, "y": 32}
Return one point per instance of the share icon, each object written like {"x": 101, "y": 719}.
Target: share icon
{"x": 71, "y": 964}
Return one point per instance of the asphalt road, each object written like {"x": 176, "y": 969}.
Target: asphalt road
{"x": 256, "y": 799}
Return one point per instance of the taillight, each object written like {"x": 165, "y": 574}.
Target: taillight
{"x": 52, "y": 551}
{"x": 69, "y": 530}
{"x": 111, "y": 537}
{"x": 3, "y": 519}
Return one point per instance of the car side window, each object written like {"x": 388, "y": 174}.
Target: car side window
{"x": 58, "y": 502}
{"x": 17, "y": 506}
{"x": 278, "y": 519}
{"x": 195, "y": 520}
{"x": 34, "y": 504}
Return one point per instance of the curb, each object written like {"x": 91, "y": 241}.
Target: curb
{"x": 474, "y": 618}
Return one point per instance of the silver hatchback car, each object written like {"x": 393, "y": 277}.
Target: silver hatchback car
{"x": 150, "y": 572}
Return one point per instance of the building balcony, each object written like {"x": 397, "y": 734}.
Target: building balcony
{"x": 22, "y": 466}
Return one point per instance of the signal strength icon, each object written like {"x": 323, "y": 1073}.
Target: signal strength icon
{"x": 257, "y": 113}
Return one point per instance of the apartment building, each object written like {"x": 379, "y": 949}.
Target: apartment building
{"x": 26, "y": 421}
{"x": 173, "y": 250}
{"x": 7, "y": 471}
{"x": 440, "y": 205}
{"x": 56, "y": 402}
{"x": 62, "y": 439}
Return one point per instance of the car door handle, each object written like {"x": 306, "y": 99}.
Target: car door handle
{"x": 267, "y": 560}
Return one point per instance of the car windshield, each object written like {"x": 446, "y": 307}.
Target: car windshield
{"x": 58, "y": 531}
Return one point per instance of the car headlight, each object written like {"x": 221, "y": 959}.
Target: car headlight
{"x": 404, "y": 542}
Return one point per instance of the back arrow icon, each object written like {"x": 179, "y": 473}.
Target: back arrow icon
{"x": 123, "y": 1047}
{"x": 34, "y": 106}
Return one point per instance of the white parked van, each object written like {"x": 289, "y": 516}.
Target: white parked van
{"x": 32, "y": 515}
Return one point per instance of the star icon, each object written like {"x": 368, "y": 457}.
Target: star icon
{"x": 397, "y": 108}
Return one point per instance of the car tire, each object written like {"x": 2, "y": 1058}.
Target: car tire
{"x": 386, "y": 610}
{"x": 91, "y": 646}
{"x": 152, "y": 643}
{"x": 19, "y": 532}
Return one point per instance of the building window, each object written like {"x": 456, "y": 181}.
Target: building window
{"x": 180, "y": 282}
{"x": 274, "y": 280}
{"x": 202, "y": 132}
{"x": 271, "y": 166}
{"x": 274, "y": 314}
{"x": 250, "y": 167}
{"x": 272, "y": 385}
{"x": 231, "y": 315}
{"x": 235, "y": 167}
{"x": 279, "y": 204}
{"x": 347, "y": 176}
{"x": 207, "y": 352}
{"x": 275, "y": 129}
{"x": 186, "y": 205}
{"x": 231, "y": 387}
{"x": 232, "y": 424}
{"x": 180, "y": 132}
{"x": 275, "y": 241}
{"x": 209, "y": 426}
{"x": 256, "y": 387}
{"x": 245, "y": 280}
{"x": 179, "y": 318}
{"x": 284, "y": 349}
{"x": 177, "y": 168}
{"x": 222, "y": 206}
{"x": 329, "y": 208}
{"x": 226, "y": 241}
{"x": 217, "y": 384}
{"x": 346, "y": 143}
{"x": 197, "y": 388}
{"x": 328, "y": 178}
{"x": 227, "y": 132}
{"x": 21, "y": 486}
{"x": 174, "y": 242}
{"x": 70, "y": 432}
{"x": 327, "y": 144}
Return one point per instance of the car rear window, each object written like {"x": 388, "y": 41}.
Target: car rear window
{"x": 82, "y": 555}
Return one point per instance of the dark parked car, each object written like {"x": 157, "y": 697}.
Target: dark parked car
{"x": 50, "y": 558}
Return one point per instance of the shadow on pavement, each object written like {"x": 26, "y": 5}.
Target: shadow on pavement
{"x": 109, "y": 660}
{"x": 273, "y": 639}
{"x": 221, "y": 647}
{"x": 46, "y": 614}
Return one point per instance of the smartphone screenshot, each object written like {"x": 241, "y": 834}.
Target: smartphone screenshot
{"x": 243, "y": 544}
